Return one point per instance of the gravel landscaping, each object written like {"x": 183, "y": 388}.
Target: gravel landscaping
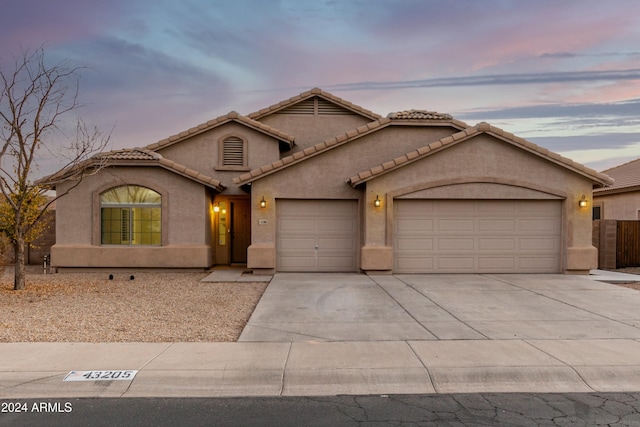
{"x": 154, "y": 307}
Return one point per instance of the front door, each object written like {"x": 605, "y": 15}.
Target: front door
{"x": 240, "y": 230}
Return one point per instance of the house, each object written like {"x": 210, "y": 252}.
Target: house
{"x": 620, "y": 201}
{"x": 616, "y": 212}
{"x": 316, "y": 183}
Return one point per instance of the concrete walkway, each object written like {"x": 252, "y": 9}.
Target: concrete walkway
{"x": 328, "y": 334}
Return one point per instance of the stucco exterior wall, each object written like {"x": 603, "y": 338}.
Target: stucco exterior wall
{"x": 504, "y": 171}
{"x": 622, "y": 206}
{"x": 185, "y": 219}
{"x": 311, "y": 130}
{"x": 324, "y": 176}
{"x": 483, "y": 167}
{"x": 201, "y": 152}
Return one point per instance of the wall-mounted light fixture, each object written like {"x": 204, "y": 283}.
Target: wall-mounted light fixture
{"x": 263, "y": 203}
{"x": 216, "y": 208}
{"x": 583, "y": 202}
{"x": 377, "y": 202}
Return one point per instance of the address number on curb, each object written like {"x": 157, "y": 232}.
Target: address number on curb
{"x": 100, "y": 375}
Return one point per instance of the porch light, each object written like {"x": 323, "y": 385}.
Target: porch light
{"x": 216, "y": 208}
{"x": 583, "y": 202}
{"x": 377, "y": 202}
{"x": 263, "y": 203}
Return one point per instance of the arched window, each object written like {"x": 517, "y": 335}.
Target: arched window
{"x": 131, "y": 215}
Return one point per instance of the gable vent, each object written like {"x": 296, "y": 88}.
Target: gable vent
{"x": 329, "y": 108}
{"x": 316, "y": 106}
{"x": 233, "y": 151}
{"x": 303, "y": 107}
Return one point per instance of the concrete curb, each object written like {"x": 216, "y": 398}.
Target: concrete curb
{"x": 37, "y": 370}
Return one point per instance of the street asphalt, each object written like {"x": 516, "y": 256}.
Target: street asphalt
{"x": 334, "y": 334}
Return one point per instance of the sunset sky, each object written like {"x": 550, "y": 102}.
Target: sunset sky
{"x": 563, "y": 74}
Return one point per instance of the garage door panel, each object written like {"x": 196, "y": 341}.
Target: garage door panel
{"x": 295, "y": 243}
{"x": 415, "y": 264}
{"x": 415, "y": 210}
{"x": 498, "y": 208}
{"x": 414, "y": 244}
{"x": 336, "y": 226}
{"x": 455, "y": 244}
{"x": 538, "y": 244}
{"x": 458, "y": 263}
{"x": 414, "y": 225}
{"x": 497, "y": 225}
{"x": 541, "y": 264}
{"x": 478, "y": 236}
{"x": 457, "y": 225}
{"x": 337, "y": 243}
{"x": 297, "y": 262}
{"x": 496, "y": 264}
{"x": 330, "y": 262}
{"x": 297, "y": 226}
{"x": 491, "y": 244}
{"x": 543, "y": 224}
{"x": 317, "y": 235}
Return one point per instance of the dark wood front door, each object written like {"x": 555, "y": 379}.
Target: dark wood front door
{"x": 240, "y": 230}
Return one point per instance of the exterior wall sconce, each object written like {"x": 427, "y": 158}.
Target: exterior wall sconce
{"x": 377, "y": 202}
{"x": 263, "y": 203}
{"x": 216, "y": 208}
{"x": 583, "y": 202}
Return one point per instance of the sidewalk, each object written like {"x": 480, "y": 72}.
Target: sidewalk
{"x": 37, "y": 370}
{"x": 355, "y": 334}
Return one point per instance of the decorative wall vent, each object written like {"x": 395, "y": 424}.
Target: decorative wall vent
{"x": 316, "y": 106}
{"x": 233, "y": 151}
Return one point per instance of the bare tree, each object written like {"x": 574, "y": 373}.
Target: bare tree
{"x": 35, "y": 98}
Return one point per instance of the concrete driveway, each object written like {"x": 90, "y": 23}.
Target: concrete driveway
{"x": 354, "y": 307}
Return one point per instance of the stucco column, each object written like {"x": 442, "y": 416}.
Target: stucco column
{"x": 261, "y": 254}
{"x": 582, "y": 256}
{"x": 376, "y": 256}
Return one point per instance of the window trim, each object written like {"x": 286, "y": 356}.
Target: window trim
{"x": 127, "y": 222}
{"x": 96, "y": 238}
{"x": 245, "y": 155}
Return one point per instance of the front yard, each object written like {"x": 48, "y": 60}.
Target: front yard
{"x": 154, "y": 307}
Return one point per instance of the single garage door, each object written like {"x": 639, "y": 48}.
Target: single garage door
{"x": 317, "y": 235}
{"x": 477, "y": 236}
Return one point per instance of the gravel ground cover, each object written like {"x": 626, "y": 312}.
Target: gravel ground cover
{"x": 154, "y": 307}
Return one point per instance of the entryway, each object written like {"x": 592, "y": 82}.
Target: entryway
{"x": 232, "y": 225}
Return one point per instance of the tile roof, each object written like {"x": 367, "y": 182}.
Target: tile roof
{"x": 626, "y": 176}
{"x": 311, "y": 93}
{"x": 468, "y": 133}
{"x": 131, "y": 157}
{"x": 326, "y": 145}
{"x": 418, "y": 115}
{"x": 231, "y": 116}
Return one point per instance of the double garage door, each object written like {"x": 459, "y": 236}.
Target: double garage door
{"x": 476, "y": 236}
{"x": 429, "y": 236}
{"x": 317, "y": 235}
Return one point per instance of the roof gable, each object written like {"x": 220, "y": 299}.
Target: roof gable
{"x": 467, "y": 134}
{"x": 344, "y": 138}
{"x": 131, "y": 157}
{"x": 211, "y": 124}
{"x": 315, "y": 101}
